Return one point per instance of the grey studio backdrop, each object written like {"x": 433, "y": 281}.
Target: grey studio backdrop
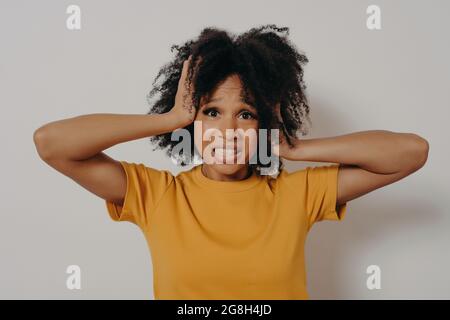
{"x": 396, "y": 78}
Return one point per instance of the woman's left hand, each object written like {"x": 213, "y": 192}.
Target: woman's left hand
{"x": 284, "y": 149}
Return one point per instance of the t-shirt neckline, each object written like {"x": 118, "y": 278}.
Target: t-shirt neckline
{"x": 226, "y": 186}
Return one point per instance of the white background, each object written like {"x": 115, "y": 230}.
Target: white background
{"x": 396, "y": 78}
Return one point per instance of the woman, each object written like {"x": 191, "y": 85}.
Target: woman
{"x": 228, "y": 229}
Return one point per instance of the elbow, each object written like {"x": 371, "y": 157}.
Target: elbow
{"x": 418, "y": 151}
{"x": 41, "y": 139}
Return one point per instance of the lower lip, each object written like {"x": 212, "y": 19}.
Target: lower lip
{"x": 227, "y": 159}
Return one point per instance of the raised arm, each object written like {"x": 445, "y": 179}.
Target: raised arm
{"x": 369, "y": 159}
{"x": 75, "y": 146}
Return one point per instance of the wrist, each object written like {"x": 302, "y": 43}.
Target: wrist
{"x": 299, "y": 151}
{"x": 177, "y": 120}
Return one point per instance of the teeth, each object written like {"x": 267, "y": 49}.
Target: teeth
{"x": 226, "y": 151}
{"x": 227, "y": 154}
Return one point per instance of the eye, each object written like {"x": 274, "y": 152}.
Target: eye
{"x": 248, "y": 114}
{"x": 212, "y": 112}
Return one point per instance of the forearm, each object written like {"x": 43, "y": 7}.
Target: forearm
{"x": 378, "y": 151}
{"x": 84, "y": 136}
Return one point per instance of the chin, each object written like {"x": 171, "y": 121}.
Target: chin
{"x": 228, "y": 169}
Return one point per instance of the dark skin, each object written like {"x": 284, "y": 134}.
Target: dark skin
{"x": 369, "y": 159}
{"x": 74, "y": 146}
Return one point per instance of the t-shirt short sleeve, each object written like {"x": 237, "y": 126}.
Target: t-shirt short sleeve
{"x": 145, "y": 187}
{"x": 321, "y": 194}
{"x": 317, "y": 188}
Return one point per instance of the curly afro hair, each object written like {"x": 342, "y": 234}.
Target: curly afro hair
{"x": 270, "y": 69}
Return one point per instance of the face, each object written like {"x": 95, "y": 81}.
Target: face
{"x": 226, "y": 153}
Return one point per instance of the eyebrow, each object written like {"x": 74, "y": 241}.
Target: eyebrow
{"x": 219, "y": 99}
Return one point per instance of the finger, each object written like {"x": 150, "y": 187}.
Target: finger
{"x": 186, "y": 65}
{"x": 190, "y": 85}
{"x": 185, "y": 68}
{"x": 278, "y": 112}
{"x": 276, "y": 148}
{"x": 182, "y": 82}
{"x": 186, "y": 86}
{"x": 275, "y": 140}
{"x": 182, "y": 76}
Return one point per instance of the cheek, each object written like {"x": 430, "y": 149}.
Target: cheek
{"x": 198, "y": 133}
{"x": 252, "y": 143}
{"x": 201, "y": 140}
{"x": 249, "y": 139}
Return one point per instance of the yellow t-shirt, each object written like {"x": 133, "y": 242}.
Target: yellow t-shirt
{"x": 242, "y": 239}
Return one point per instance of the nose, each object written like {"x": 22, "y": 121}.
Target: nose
{"x": 231, "y": 124}
{"x": 227, "y": 123}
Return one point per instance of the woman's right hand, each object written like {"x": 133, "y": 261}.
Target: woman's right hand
{"x": 183, "y": 110}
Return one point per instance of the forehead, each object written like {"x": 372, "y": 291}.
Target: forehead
{"x": 230, "y": 90}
